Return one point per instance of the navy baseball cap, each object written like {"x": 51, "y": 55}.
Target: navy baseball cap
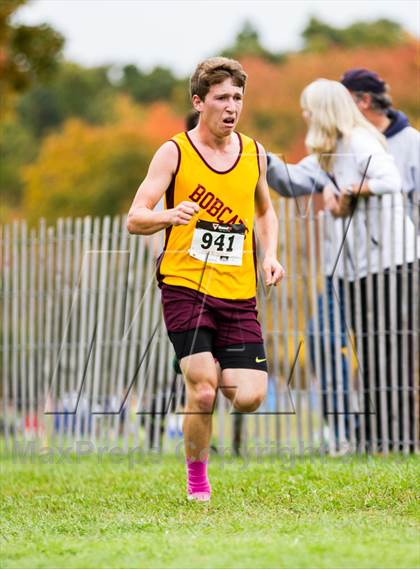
{"x": 360, "y": 79}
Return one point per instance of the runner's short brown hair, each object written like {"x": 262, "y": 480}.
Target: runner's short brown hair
{"x": 213, "y": 71}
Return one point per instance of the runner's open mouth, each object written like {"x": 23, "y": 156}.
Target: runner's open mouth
{"x": 229, "y": 120}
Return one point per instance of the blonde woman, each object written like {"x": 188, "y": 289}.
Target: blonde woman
{"x": 353, "y": 154}
{"x": 366, "y": 233}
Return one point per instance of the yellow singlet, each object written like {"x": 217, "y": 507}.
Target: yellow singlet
{"x": 225, "y": 197}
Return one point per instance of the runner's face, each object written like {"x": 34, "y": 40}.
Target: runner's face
{"x": 222, "y": 107}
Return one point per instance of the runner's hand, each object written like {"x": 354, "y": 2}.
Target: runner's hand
{"x": 182, "y": 213}
{"x": 273, "y": 271}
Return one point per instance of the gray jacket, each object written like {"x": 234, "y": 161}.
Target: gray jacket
{"x": 306, "y": 177}
{"x": 379, "y": 229}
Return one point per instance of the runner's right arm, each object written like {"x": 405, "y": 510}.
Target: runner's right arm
{"x": 142, "y": 220}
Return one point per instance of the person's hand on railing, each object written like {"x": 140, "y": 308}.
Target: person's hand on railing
{"x": 346, "y": 204}
{"x": 343, "y": 204}
{"x": 348, "y": 198}
{"x": 329, "y": 195}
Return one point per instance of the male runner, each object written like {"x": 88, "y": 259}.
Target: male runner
{"x": 214, "y": 181}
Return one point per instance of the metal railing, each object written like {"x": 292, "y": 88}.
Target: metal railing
{"x": 85, "y": 355}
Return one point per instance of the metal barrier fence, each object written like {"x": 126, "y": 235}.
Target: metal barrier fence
{"x": 85, "y": 355}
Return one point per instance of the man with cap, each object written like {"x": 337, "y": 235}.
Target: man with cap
{"x": 371, "y": 95}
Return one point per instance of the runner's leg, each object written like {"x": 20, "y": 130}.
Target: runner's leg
{"x": 201, "y": 377}
{"x": 200, "y": 373}
{"x": 245, "y": 388}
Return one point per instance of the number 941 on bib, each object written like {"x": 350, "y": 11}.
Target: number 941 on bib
{"x": 218, "y": 243}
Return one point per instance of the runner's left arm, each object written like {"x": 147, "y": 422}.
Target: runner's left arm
{"x": 267, "y": 225}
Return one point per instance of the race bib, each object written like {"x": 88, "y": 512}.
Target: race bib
{"x": 219, "y": 243}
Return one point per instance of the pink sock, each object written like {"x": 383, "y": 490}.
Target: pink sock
{"x": 197, "y": 476}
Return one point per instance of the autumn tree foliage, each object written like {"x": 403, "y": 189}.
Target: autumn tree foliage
{"x": 80, "y": 142}
{"x": 73, "y": 91}
{"x": 157, "y": 85}
{"x": 320, "y": 36}
{"x": 272, "y": 109}
{"x": 95, "y": 170}
{"x": 248, "y": 44}
{"x": 27, "y": 53}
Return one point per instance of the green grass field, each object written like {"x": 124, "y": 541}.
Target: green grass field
{"x": 358, "y": 513}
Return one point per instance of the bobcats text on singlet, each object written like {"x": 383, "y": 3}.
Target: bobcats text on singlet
{"x": 224, "y": 197}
